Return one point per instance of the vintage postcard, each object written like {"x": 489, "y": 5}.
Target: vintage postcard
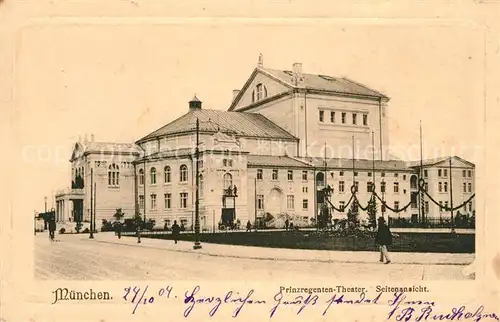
{"x": 174, "y": 162}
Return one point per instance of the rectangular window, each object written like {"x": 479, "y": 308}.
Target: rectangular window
{"x": 168, "y": 200}
{"x": 341, "y": 173}
{"x": 343, "y": 118}
{"x": 356, "y": 185}
{"x": 382, "y": 174}
{"x": 426, "y": 186}
{"x": 332, "y": 117}
{"x": 290, "y": 202}
{"x": 369, "y": 174}
{"x": 259, "y": 174}
{"x": 404, "y": 176}
{"x": 341, "y": 186}
{"x": 141, "y": 202}
{"x": 396, "y": 205}
{"x": 369, "y": 186}
{"x": 260, "y": 202}
{"x": 224, "y": 162}
{"x": 425, "y": 174}
{"x": 470, "y": 206}
{"x": 305, "y": 204}
{"x": 183, "y": 199}
{"x": 382, "y": 187}
{"x": 445, "y": 186}
{"x": 321, "y": 116}
{"x": 464, "y": 173}
{"x": 426, "y": 207}
{"x": 396, "y": 187}
{"x": 440, "y": 206}
{"x": 439, "y": 172}
{"x": 445, "y": 172}
{"x": 469, "y": 173}
{"x": 440, "y": 187}
{"x": 396, "y": 175}
{"x": 354, "y": 118}
{"x": 275, "y": 174}
{"x": 153, "y": 202}
{"x": 365, "y": 119}
{"x": 304, "y": 175}
{"x": 304, "y": 189}
{"x": 465, "y": 187}
{"x": 342, "y": 205}
{"x": 355, "y": 173}
{"x": 470, "y": 187}
{"x": 290, "y": 175}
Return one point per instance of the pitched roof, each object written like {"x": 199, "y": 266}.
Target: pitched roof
{"x": 435, "y": 161}
{"x": 327, "y": 83}
{"x": 364, "y": 164}
{"x": 237, "y": 123}
{"x": 274, "y": 161}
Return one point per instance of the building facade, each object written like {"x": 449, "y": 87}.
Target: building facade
{"x": 285, "y": 136}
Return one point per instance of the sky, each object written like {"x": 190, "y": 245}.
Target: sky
{"x": 121, "y": 82}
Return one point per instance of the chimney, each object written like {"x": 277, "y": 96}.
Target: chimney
{"x": 260, "y": 63}
{"x": 235, "y": 93}
{"x": 298, "y": 77}
{"x": 194, "y": 104}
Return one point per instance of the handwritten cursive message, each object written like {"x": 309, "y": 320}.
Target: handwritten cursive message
{"x": 400, "y": 306}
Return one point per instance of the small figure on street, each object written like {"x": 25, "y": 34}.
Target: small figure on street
{"x": 287, "y": 223}
{"x": 118, "y": 229}
{"x": 52, "y": 229}
{"x": 249, "y": 226}
{"x": 383, "y": 239}
{"x": 238, "y": 223}
{"x": 175, "y": 231}
{"x": 291, "y": 226}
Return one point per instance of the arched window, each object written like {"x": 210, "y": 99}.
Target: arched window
{"x": 260, "y": 92}
{"x": 141, "y": 176}
{"x": 168, "y": 174}
{"x": 228, "y": 180}
{"x": 183, "y": 173}
{"x": 153, "y": 175}
{"x": 113, "y": 175}
{"x": 200, "y": 185}
{"x": 320, "y": 179}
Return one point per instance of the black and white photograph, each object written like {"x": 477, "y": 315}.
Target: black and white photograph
{"x": 282, "y": 152}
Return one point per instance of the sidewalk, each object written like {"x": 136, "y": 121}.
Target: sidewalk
{"x": 281, "y": 254}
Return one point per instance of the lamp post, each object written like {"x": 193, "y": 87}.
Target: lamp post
{"x": 91, "y": 236}
{"x": 197, "y": 244}
{"x": 451, "y": 200}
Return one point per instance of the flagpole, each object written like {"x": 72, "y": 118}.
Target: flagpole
{"x": 353, "y": 171}
{"x": 451, "y": 201}
{"x": 373, "y": 161}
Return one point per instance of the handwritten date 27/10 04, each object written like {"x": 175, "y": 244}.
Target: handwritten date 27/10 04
{"x": 137, "y": 296}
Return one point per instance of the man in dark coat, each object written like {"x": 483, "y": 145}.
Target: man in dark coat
{"x": 383, "y": 239}
{"x": 175, "y": 231}
{"x": 52, "y": 229}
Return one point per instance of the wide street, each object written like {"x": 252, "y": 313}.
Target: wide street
{"x": 76, "y": 257}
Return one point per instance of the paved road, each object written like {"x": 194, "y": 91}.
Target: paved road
{"x": 75, "y": 257}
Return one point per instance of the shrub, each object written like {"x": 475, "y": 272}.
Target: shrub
{"x": 62, "y": 230}
{"x": 107, "y": 226}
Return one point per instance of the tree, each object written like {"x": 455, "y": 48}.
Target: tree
{"x": 119, "y": 214}
{"x": 353, "y": 216}
{"x": 372, "y": 212}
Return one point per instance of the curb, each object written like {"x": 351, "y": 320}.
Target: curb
{"x": 281, "y": 259}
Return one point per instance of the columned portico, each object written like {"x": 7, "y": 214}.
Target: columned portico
{"x": 69, "y": 204}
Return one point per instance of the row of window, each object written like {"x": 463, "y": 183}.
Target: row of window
{"x": 343, "y": 117}
{"x": 443, "y": 187}
{"x": 445, "y": 204}
{"x": 167, "y": 175}
{"x": 320, "y": 175}
{"x": 167, "y": 199}
{"x": 444, "y": 173}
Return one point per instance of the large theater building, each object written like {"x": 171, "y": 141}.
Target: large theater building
{"x": 283, "y": 129}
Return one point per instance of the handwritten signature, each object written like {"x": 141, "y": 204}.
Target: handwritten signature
{"x": 401, "y": 308}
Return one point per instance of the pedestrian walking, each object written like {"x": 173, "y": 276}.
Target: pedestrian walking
{"x": 175, "y": 231}
{"x": 118, "y": 228}
{"x": 249, "y": 226}
{"x": 383, "y": 239}
{"x": 52, "y": 229}
{"x": 287, "y": 223}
